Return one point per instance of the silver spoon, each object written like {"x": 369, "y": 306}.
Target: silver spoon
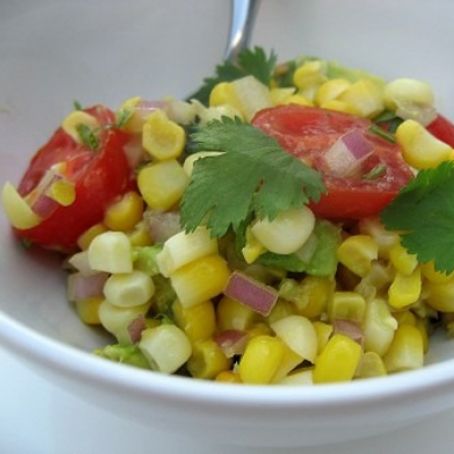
{"x": 242, "y": 21}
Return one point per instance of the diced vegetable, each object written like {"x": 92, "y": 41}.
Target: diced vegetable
{"x": 110, "y": 252}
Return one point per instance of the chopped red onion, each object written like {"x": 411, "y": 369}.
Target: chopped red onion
{"x": 345, "y": 156}
{"x": 232, "y": 342}
{"x": 80, "y": 262}
{"x": 162, "y": 225}
{"x": 259, "y": 297}
{"x": 82, "y": 287}
{"x": 349, "y": 329}
{"x": 44, "y": 206}
{"x": 136, "y": 327}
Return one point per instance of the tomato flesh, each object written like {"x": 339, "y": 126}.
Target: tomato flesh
{"x": 442, "y": 129}
{"x": 99, "y": 176}
{"x": 308, "y": 132}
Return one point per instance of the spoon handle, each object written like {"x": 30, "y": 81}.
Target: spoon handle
{"x": 242, "y": 21}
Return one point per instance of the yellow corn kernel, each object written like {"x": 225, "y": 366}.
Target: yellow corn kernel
{"x": 140, "y": 235}
{"x": 365, "y": 97}
{"x": 166, "y": 348}
{"x": 338, "y": 106}
{"x": 347, "y": 306}
{"x": 379, "y": 327}
{"x": 281, "y": 310}
{"x": 183, "y": 248}
{"x": 63, "y": 192}
{"x": 224, "y": 93}
{"x": 309, "y": 74}
{"x": 287, "y": 232}
{"x": 259, "y": 329}
{"x": 298, "y": 333}
{"x": 135, "y": 121}
{"x": 279, "y": 95}
{"x": 253, "y": 248}
{"x": 200, "y": 280}
{"x": 441, "y": 296}
{"x": 89, "y": 235}
{"x": 74, "y": 120}
{"x": 384, "y": 238}
{"x": 162, "y": 184}
{"x": 88, "y": 310}
{"x": 371, "y": 365}
{"x": 357, "y": 253}
{"x": 338, "y": 361}
{"x": 124, "y": 214}
{"x": 289, "y": 362}
{"x": 405, "y": 290}
{"x": 233, "y": 315}
{"x": 298, "y": 99}
{"x": 129, "y": 289}
{"x": 406, "y": 351}
{"x": 198, "y": 322}
{"x": 421, "y": 325}
{"x": 18, "y": 211}
{"x": 323, "y": 331}
{"x": 405, "y": 318}
{"x": 110, "y": 252}
{"x": 433, "y": 276}
{"x": 161, "y": 138}
{"x": 404, "y": 262}
{"x": 300, "y": 377}
{"x": 420, "y": 148}
{"x": 207, "y": 360}
{"x": 331, "y": 90}
{"x": 228, "y": 376}
{"x": 404, "y": 92}
{"x": 261, "y": 360}
{"x": 116, "y": 320}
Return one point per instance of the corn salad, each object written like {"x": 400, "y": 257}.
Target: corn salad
{"x": 354, "y": 303}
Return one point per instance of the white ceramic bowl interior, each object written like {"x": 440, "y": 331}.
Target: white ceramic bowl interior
{"x": 105, "y": 51}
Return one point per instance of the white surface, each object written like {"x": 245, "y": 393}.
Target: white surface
{"x": 37, "y": 418}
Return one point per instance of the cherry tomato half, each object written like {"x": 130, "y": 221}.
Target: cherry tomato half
{"x": 308, "y": 132}
{"x": 442, "y": 129}
{"x": 99, "y": 177}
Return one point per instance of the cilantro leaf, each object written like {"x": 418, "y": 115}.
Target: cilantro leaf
{"x": 254, "y": 174}
{"x": 77, "y": 105}
{"x": 424, "y": 214}
{"x": 250, "y": 62}
{"x": 88, "y": 136}
{"x": 123, "y": 117}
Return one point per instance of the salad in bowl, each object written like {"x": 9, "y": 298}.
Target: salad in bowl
{"x": 286, "y": 224}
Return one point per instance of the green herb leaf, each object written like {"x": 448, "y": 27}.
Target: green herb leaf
{"x": 144, "y": 258}
{"x": 380, "y": 132}
{"x": 123, "y": 117}
{"x": 376, "y": 172}
{"x": 77, "y": 105}
{"x": 250, "y": 62}
{"x": 321, "y": 260}
{"x": 88, "y": 136}
{"x": 125, "y": 354}
{"x": 424, "y": 214}
{"x": 254, "y": 174}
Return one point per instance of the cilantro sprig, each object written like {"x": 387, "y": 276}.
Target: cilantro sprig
{"x": 423, "y": 213}
{"x": 252, "y": 62}
{"x": 253, "y": 175}
{"x": 88, "y": 136}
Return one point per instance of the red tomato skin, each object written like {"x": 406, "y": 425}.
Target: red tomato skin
{"x": 99, "y": 176}
{"x": 306, "y": 132}
{"x": 442, "y": 129}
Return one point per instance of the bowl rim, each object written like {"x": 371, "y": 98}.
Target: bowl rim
{"x": 71, "y": 361}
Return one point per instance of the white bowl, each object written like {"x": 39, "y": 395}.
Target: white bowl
{"x": 54, "y": 52}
